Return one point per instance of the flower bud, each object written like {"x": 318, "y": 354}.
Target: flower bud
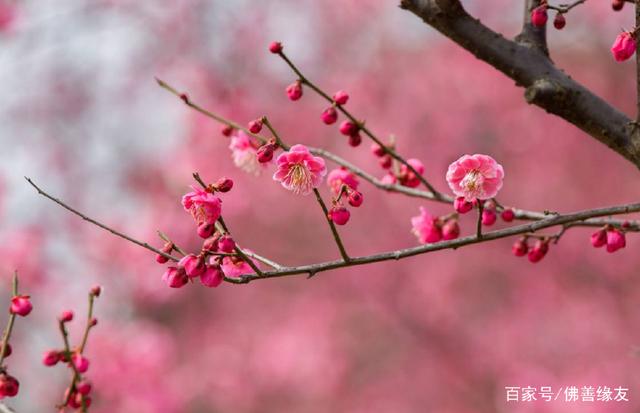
{"x": 167, "y": 248}
{"x": 539, "y": 250}
{"x": 385, "y": 162}
{"x": 508, "y": 215}
{"x": 341, "y": 97}
{"x": 339, "y": 215}
{"x": 193, "y": 265}
{"x": 224, "y": 184}
{"x": 599, "y": 238}
{"x": 615, "y": 240}
{"x": 377, "y": 150}
{"x": 275, "y": 47}
{"x": 226, "y": 130}
{"x": 329, "y": 116}
{"x": 226, "y": 244}
{"x": 80, "y": 362}
{"x": 212, "y": 276}
{"x": 265, "y": 153}
{"x": 255, "y": 126}
{"x": 624, "y": 47}
{"x": 461, "y": 205}
{"x": 294, "y": 91}
{"x": 489, "y": 217}
{"x": 559, "y": 22}
{"x": 617, "y": 5}
{"x": 175, "y": 277}
{"x": 539, "y": 16}
{"x": 355, "y": 199}
{"x": 83, "y": 387}
{"x": 8, "y": 350}
{"x": 206, "y": 229}
{"x": 20, "y": 305}
{"x": 348, "y": 128}
{"x": 51, "y": 358}
{"x": 520, "y": 247}
{"x": 93, "y": 322}
{"x": 66, "y": 316}
{"x": 355, "y": 139}
{"x": 210, "y": 244}
{"x": 450, "y": 230}
{"x": 9, "y": 386}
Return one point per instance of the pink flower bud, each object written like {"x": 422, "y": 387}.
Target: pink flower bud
{"x": 193, "y": 265}
{"x": 508, "y": 215}
{"x": 210, "y": 244}
{"x": 80, "y": 362}
{"x": 212, "y": 276}
{"x": 167, "y": 248}
{"x": 8, "y": 350}
{"x": 615, "y": 240}
{"x": 489, "y": 217}
{"x": 461, "y": 205}
{"x": 377, "y": 150}
{"x": 329, "y": 116}
{"x": 175, "y": 277}
{"x": 341, "y": 97}
{"x": 624, "y": 46}
{"x": 224, "y": 184}
{"x": 82, "y": 400}
{"x": 206, "y": 229}
{"x": 96, "y": 290}
{"x": 51, "y": 358}
{"x": 72, "y": 398}
{"x": 520, "y": 248}
{"x": 355, "y": 199}
{"x": 617, "y": 5}
{"x": 355, "y": 139}
{"x": 255, "y": 126}
{"x": 226, "y": 130}
{"x": 226, "y": 244}
{"x": 348, "y": 128}
{"x": 599, "y": 238}
{"x": 9, "y": 386}
{"x": 83, "y": 387}
{"x": 66, "y": 316}
{"x": 294, "y": 91}
{"x": 20, "y": 305}
{"x": 93, "y": 322}
{"x": 539, "y": 250}
{"x": 385, "y": 162}
{"x": 339, "y": 215}
{"x": 559, "y": 22}
{"x": 275, "y": 47}
{"x": 389, "y": 179}
{"x": 539, "y": 16}
{"x": 450, "y": 230}
{"x": 265, "y": 153}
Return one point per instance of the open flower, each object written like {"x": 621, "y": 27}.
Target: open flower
{"x": 299, "y": 171}
{"x": 244, "y": 154}
{"x": 235, "y": 267}
{"x": 203, "y": 206}
{"x": 475, "y": 177}
{"x": 426, "y": 227}
{"x": 342, "y": 176}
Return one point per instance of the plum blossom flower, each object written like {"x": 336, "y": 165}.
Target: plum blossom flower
{"x": 244, "y": 153}
{"x": 299, "y": 171}
{"x": 234, "y": 267}
{"x": 475, "y": 177}
{"x": 624, "y": 47}
{"x": 426, "y": 227}
{"x": 341, "y": 176}
{"x": 203, "y": 206}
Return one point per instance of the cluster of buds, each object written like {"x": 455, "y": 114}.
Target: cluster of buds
{"x": 428, "y": 228}
{"x": 400, "y": 174}
{"x": 265, "y": 153}
{"x": 613, "y": 238}
{"x": 77, "y": 395}
{"x": 539, "y": 17}
{"x": 344, "y": 184}
{"x": 20, "y": 306}
{"x": 330, "y": 115}
{"x": 205, "y": 207}
{"x": 489, "y": 212}
{"x": 534, "y": 253}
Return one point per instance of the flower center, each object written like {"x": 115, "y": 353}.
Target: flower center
{"x": 472, "y": 182}
{"x": 300, "y": 177}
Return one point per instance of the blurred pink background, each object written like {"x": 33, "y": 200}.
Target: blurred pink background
{"x": 445, "y": 332}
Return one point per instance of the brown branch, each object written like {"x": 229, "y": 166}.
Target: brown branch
{"x": 545, "y": 85}
{"x": 12, "y": 319}
{"x": 313, "y": 269}
{"x": 94, "y": 222}
{"x": 530, "y": 34}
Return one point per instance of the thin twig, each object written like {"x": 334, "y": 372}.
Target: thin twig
{"x": 9, "y": 328}
{"x": 334, "y": 230}
{"x": 103, "y": 226}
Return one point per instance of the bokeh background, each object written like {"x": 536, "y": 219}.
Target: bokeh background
{"x": 81, "y": 114}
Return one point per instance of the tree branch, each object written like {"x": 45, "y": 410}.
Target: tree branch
{"x": 532, "y": 35}
{"x": 546, "y": 85}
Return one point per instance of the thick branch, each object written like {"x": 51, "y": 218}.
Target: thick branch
{"x": 546, "y": 85}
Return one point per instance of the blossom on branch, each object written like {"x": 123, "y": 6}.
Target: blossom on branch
{"x": 475, "y": 177}
{"x": 299, "y": 171}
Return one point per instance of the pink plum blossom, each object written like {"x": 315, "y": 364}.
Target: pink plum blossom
{"x": 203, "y": 206}
{"x": 244, "y": 154}
{"x": 212, "y": 276}
{"x": 426, "y": 227}
{"x": 192, "y": 264}
{"x": 615, "y": 240}
{"x": 475, "y": 177}
{"x": 234, "y": 267}
{"x": 20, "y": 305}
{"x": 299, "y": 171}
{"x": 341, "y": 176}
